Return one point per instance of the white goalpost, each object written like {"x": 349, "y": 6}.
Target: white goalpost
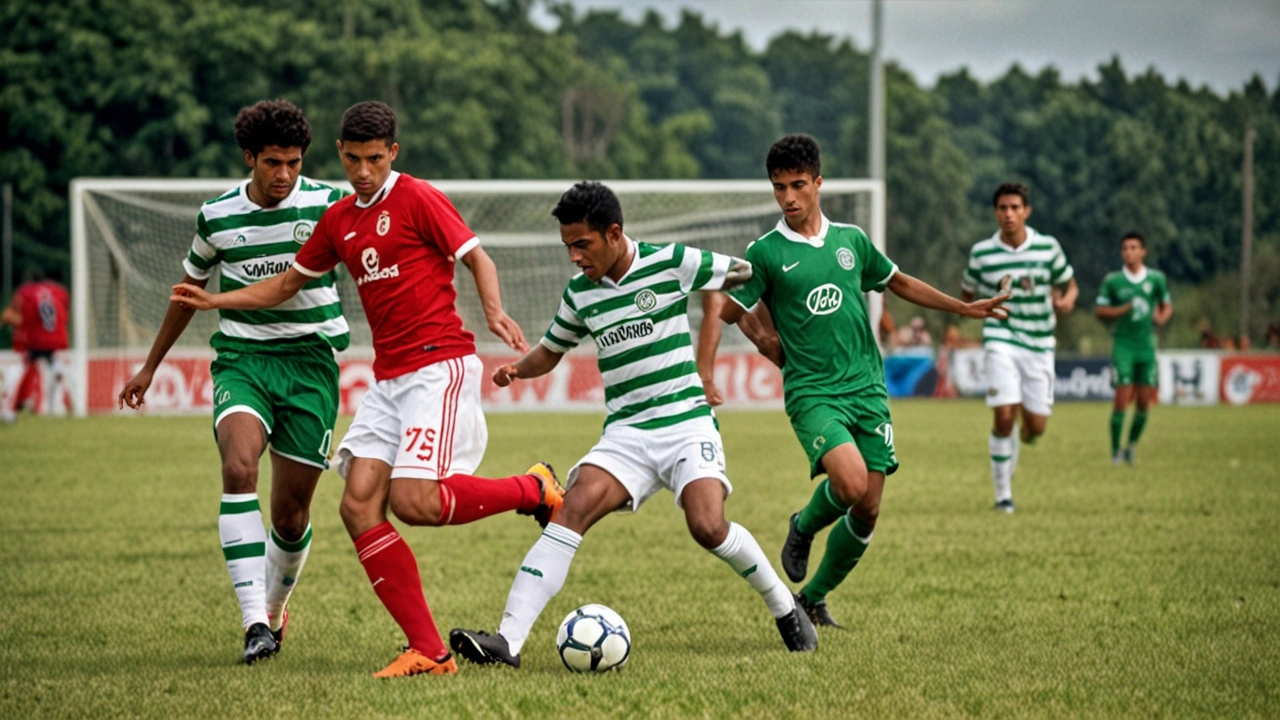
{"x": 129, "y": 236}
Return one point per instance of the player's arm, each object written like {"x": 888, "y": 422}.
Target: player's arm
{"x": 1064, "y": 301}
{"x": 1112, "y": 312}
{"x": 486, "y": 276}
{"x": 757, "y": 325}
{"x": 265, "y": 294}
{"x": 1163, "y": 312}
{"x": 925, "y": 295}
{"x": 12, "y": 314}
{"x": 708, "y": 343}
{"x": 175, "y": 322}
{"x": 538, "y": 361}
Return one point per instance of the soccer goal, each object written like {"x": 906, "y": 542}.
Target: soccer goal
{"x": 129, "y": 237}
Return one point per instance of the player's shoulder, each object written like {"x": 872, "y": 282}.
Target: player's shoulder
{"x": 1158, "y": 275}
{"x": 1112, "y": 277}
{"x": 1043, "y": 240}
{"x": 848, "y": 230}
{"x": 329, "y": 191}
{"x": 579, "y": 283}
{"x": 233, "y": 201}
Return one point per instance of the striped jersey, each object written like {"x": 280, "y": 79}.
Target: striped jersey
{"x": 640, "y": 325}
{"x": 1035, "y": 267}
{"x": 250, "y": 243}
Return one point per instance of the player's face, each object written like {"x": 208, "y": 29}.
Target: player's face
{"x": 797, "y": 195}
{"x": 275, "y": 171}
{"x": 596, "y": 254}
{"x": 1012, "y": 215}
{"x": 1133, "y": 253}
{"x": 367, "y": 164}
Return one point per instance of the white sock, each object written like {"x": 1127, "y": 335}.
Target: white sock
{"x": 744, "y": 555}
{"x": 284, "y": 564}
{"x": 1017, "y": 446}
{"x": 542, "y": 574}
{"x": 1002, "y": 451}
{"x": 244, "y": 548}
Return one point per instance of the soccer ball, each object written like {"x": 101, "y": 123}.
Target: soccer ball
{"x": 593, "y": 638}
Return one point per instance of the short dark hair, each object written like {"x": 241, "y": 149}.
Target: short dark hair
{"x": 1134, "y": 235}
{"x": 368, "y": 120}
{"x": 272, "y": 122}
{"x": 799, "y": 153}
{"x": 1011, "y": 188}
{"x": 589, "y": 202}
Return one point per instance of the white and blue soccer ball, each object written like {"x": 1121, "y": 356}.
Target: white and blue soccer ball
{"x": 593, "y": 638}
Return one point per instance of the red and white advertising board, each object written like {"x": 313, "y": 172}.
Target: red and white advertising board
{"x": 1250, "y": 379}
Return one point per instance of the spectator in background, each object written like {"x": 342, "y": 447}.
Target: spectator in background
{"x": 1273, "y": 336}
{"x": 1244, "y": 343}
{"x": 1207, "y": 338}
{"x": 915, "y": 334}
{"x": 38, "y": 313}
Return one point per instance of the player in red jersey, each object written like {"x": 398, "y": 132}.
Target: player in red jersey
{"x": 38, "y": 313}
{"x": 419, "y": 432}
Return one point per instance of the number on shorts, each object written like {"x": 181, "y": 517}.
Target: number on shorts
{"x": 886, "y": 431}
{"x": 426, "y": 449}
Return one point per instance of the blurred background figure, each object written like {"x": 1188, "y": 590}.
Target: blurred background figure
{"x": 38, "y": 313}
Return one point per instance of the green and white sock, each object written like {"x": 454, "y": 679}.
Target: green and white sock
{"x": 823, "y": 509}
{"x": 284, "y": 564}
{"x": 1117, "y": 427}
{"x": 741, "y": 551}
{"x": 1135, "y": 429}
{"x": 1003, "y": 450}
{"x": 244, "y": 548}
{"x": 846, "y": 543}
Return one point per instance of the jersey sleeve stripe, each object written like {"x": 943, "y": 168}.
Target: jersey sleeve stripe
{"x": 309, "y": 273}
{"x": 466, "y": 247}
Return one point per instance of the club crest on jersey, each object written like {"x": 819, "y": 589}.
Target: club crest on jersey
{"x": 384, "y": 223}
{"x": 646, "y": 300}
{"x": 302, "y": 232}
{"x": 1025, "y": 282}
{"x": 824, "y": 299}
{"x": 370, "y": 260}
{"x": 844, "y": 256}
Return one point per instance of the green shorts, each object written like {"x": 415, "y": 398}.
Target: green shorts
{"x": 295, "y": 397}
{"x": 1134, "y": 368}
{"x": 822, "y": 423}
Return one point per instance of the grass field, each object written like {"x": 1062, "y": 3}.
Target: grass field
{"x": 1145, "y": 591}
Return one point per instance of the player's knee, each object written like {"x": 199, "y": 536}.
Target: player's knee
{"x": 413, "y": 511}
{"x": 867, "y": 511}
{"x": 239, "y": 475}
{"x": 708, "y": 531}
{"x": 358, "y": 515}
{"x": 291, "y": 526}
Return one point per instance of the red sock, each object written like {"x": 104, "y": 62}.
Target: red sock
{"x": 467, "y": 498}
{"x": 393, "y": 570}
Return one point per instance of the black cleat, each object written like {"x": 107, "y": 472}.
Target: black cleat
{"x": 482, "y": 648}
{"x": 258, "y": 643}
{"x": 797, "y": 631}
{"x": 817, "y": 612}
{"x": 795, "y": 551}
{"x": 1004, "y": 506}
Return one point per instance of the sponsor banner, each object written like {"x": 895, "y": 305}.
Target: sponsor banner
{"x": 910, "y": 375}
{"x": 1083, "y": 379}
{"x": 1189, "y": 377}
{"x": 1251, "y": 379}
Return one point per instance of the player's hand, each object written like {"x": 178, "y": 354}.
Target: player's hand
{"x": 715, "y": 398}
{"x": 771, "y": 348}
{"x": 1060, "y": 303}
{"x": 193, "y": 297}
{"x": 504, "y": 374}
{"x": 508, "y": 331}
{"x": 988, "y": 308}
{"x": 135, "y": 390}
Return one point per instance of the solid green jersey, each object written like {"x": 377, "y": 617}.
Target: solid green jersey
{"x": 1035, "y": 267}
{"x": 1135, "y": 330}
{"x": 250, "y": 243}
{"x": 814, "y": 289}
{"x": 640, "y": 325}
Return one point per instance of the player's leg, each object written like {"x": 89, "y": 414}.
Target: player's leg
{"x": 1003, "y": 397}
{"x": 293, "y": 484}
{"x": 1037, "y": 373}
{"x": 1124, "y": 395}
{"x": 1147, "y": 380}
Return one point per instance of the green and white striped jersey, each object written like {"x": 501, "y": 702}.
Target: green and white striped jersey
{"x": 641, "y": 328}
{"x": 250, "y": 244}
{"x": 1035, "y": 267}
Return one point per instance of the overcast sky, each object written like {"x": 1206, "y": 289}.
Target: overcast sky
{"x": 1221, "y": 43}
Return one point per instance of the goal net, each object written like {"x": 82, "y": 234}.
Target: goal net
{"x": 129, "y": 237}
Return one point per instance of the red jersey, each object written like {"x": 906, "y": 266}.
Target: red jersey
{"x": 45, "y": 306}
{"x": 400, "y": 249}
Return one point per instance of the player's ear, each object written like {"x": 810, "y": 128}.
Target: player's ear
{"x": 338, "y": 144}
{"x": 614, "y": 233}
{"x": 248, "y": 158}
{"x": 395, "y": 150}
{"x": 817, "y": 182}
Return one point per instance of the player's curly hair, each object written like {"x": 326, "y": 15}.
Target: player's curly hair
{"x": 796, "y": 153}
{"x": 1011, "y": 188}
{"x": 589, "y": 202}
{"x": 368, "y": 120}
{"x": 272, "y": 122}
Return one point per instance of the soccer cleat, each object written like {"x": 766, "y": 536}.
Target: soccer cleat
{"x": 817, "y": 612}
{"x": 482, "y": 648}
{"x": 258, "y": 643}
{"x": 797, "y": 631}
{"x": 1004, "y": 506}
{"x": 1128, "y": 455}
{"x": 411, "y": 662}
{"x": 279, "y": 634}
{"x": 552, "y": 493}
{"x": 1117, "y": 457}
{"x": 795, "y": 551}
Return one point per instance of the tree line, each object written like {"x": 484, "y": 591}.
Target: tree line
{"x": 150, "y": 88}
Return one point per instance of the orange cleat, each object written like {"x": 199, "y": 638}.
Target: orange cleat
{"x": 552, "y": 493}
{"x": 411, "y": 662}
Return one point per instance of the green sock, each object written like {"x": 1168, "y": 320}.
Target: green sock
{"x": 823, "y": 509}
{"x": 845, "y": 544}
{"x": 1135, "y": 430}
{"x": 1117, "y": 427}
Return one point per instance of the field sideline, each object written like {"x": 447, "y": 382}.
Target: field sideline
{"x": 1152, "y": 590}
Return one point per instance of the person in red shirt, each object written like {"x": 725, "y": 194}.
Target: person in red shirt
{"x": 38, "y": 313}
{"x": 419, "y": 432}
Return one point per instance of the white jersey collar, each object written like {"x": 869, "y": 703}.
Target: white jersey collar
{"x": 1031, "y": 236}
{"x": 382, "y": 192}
{"x": 794, "y": 236}
{"x": 1137, "y": 277}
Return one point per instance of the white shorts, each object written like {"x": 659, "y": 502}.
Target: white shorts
{"x": 1019, "y": 376}
{"x": 645, "y": 461}
{"x": 426, "y": 424}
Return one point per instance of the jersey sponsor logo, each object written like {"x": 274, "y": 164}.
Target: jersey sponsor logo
{"x": 646, "y": 300}
{"x": 824, "y": 299}
{"x": 266, "y": 268}
{"x": 622, "y": 333}
{"x": 844, "y": 256}
{"x": 369, "y": 258}
{"x": 789, "y": 268}
{"x": 302, "y": 231}
{"x": 384, "y": 222}
{"x": 240, "y": 240}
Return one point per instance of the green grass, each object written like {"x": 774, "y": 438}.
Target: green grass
{"x": 1151, "y": 591}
